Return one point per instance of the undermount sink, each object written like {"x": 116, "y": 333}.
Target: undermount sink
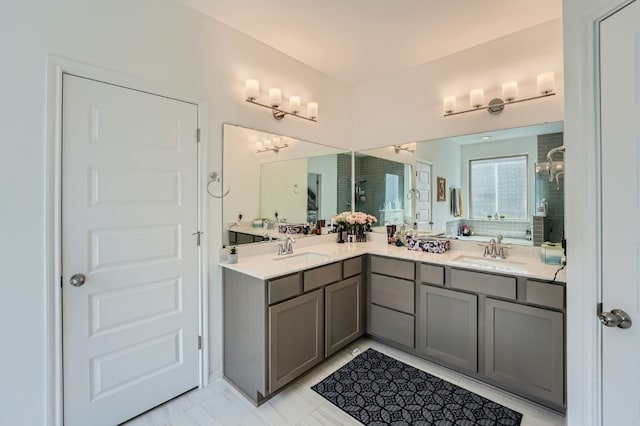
{"x": 491, "y": 263}
{"x": 302, "y": 258}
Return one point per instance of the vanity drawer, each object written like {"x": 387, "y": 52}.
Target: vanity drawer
{"x": 551, "y": 295}
{"x": 393, "y": 267}
{"x": 392, "y": 325}
{"x": 323, "y": 275}
{"x": 351, "y": 267}
{"x": 478, "y": 282}
{"x": 432, "y": 274}
{"x": 393, "y": 293}
{"x": 283, "y": 288}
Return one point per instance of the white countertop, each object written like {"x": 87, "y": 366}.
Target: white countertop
{"x": 267, "y": 266}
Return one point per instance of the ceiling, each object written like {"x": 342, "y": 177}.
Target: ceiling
{"x": 355, "y": 41}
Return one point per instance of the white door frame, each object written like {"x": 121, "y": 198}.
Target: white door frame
{"x": 582, "y": 206}
{"x": 56, "y": 66}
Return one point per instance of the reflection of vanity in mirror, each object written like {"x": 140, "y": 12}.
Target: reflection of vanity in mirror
{"x": 277, "y": 181}
{"x": 505, "y": 182}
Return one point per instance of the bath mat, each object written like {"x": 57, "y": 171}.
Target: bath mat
{"x": 376, "y": 389}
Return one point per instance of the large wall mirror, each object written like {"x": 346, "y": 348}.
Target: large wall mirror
{"x": 506, "y": 182}
{"x": 275, "y": 179}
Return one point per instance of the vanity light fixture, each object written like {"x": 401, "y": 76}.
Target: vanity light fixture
{"x": 252, "y": 90}
{"x": 408, "y": 148}
{"x": 274, "y": 145}
{"x": 546, "y": 87}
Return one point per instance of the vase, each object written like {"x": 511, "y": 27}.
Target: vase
{"x": 233, "y": 258}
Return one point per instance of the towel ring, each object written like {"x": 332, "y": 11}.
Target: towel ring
{"x": 213, "y": 177}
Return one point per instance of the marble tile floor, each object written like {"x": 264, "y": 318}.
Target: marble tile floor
{"x": 297, "y": 404}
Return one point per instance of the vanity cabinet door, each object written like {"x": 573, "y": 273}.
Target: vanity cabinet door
{"x": 448, "y": 326}
{"x": 296, "y": 337}
{"x": 343, "y": 314}
{"x": 524, "y": 349}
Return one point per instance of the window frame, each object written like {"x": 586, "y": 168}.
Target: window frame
{"x": 525, "y": 156}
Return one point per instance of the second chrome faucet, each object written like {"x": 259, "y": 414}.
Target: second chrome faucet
{"x": 494, "y": 249}
{"x": 287, "y": 246}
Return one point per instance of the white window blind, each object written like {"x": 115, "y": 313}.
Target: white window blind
{"x": 499, "y": 185}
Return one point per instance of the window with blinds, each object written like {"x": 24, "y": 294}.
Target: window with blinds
{"x": 498, "y": 185}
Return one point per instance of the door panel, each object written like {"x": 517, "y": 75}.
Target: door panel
{"x": 423, "y": 204}
{"x": 129, "y": 206}
{"x": 620, "y": 156}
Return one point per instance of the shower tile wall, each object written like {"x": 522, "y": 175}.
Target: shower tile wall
{"x": 554, "y": 221}
{"x": 344, "y": 183}
{"x": 370, "y": 176}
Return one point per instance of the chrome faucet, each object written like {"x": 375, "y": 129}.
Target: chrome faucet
{"x": 287, "y": 246}
{"x": 492, "y": 248}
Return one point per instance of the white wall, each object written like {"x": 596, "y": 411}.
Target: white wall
{"x": 407, "y": 106}
{"x": 158, "y": 41}
{"x": 277, "y": 192}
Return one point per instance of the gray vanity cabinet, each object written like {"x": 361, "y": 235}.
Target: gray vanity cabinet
{"x": 448, "y": 326}
{"x": 296, "y": 335}
{"x": 343, "y": 314}
{"x": 392, "y": 300}
{"x": 524, "y": 349}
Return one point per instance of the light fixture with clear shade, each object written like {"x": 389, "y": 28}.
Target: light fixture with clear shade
{"x": 545, "y": 84}
{"x": 274, "y": 145}
{"x": 252, "y": 92}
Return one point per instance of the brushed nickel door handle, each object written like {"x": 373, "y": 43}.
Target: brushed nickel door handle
{"x": 77, "y": 280}
{"x": 615, "y": 318}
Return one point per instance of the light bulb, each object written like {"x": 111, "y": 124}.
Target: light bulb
{"x": 476, "y": 98}
{"x": 449, "y": 104}
{"x": 312, "y": 110}
{"x": 510, "y": 91}
{"x": 275, "y": 97}
{"x": 251, "y": 88}
{"x": 294, "y": 104}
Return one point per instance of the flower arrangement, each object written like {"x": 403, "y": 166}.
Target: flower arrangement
{"x": 355, "y": 223}
{"x": 346, "y": 219}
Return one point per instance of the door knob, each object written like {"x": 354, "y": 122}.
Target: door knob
{"x": 77, "y": 280}
{"x": 615, "y": 318}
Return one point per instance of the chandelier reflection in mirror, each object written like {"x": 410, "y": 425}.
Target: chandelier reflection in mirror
{"x": 546, "y": 87}
{"x": 252, "y": 90}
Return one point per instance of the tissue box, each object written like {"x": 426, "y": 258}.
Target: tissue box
{"x": 429, "y": 245}
{"x": 551, "y": 253}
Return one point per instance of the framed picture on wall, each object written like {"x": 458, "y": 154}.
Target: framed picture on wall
{"x": 442, "y": 189}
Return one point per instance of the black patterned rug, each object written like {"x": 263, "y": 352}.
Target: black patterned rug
{"x": 378, "y": 390}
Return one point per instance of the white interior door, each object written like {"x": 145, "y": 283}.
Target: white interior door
{"x": 620, "y": 109}
{"x": 423, "y": 203}
{"x": 129, "y": 208}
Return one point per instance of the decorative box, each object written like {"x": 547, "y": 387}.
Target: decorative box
{"x": 291, "y": 229}
{"x": 428, "y": 245}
